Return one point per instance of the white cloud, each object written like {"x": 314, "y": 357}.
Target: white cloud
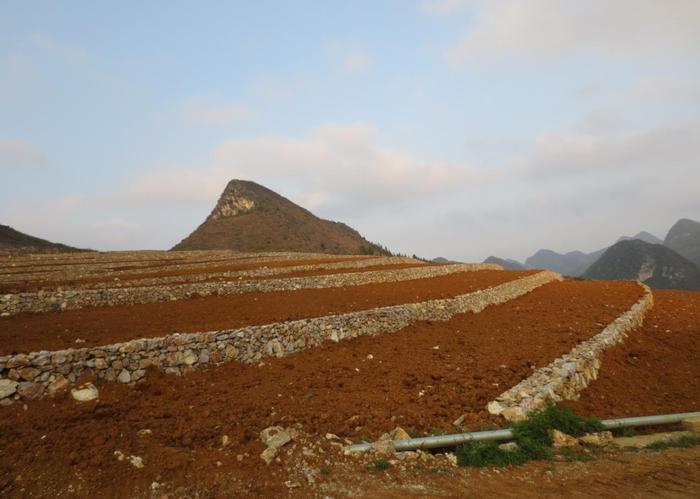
{"x": 18, "y": 153}
{"x": 356, "y": 63}
{"x": 334, "y": 167}
{"x": 662, "y": 152}
{"x": 223, "y": 115}
{"x": 685, "y": 91}
{"x": 541, "y": 29}
{"x": 442, "y": 7}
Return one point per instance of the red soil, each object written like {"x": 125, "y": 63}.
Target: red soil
{"x": 657, "y": 369}
{"x": 334, "y": 388}
{"x": 104, "y": 325}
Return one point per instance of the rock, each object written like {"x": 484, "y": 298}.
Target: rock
{"x": 600, "y": 439}
{"x": 29, "y": 373}
{"x": 7, "y": 387}
{"x": 59, "y": 386}
{"x": 190, "y": 357}
{"x": 383, "y": 447}
{"x": 399, "y": 433}
{"x": 495, "y": 408}
{"x": 275, "y": 436}
{"x": 85, "y": 393}
{"x": 268, "y": 454}
{"x": 509, "y": 446}
{"x": 136, "y": 461}
{"x": 561, "y": 439}
{"x": 29, "y": 390}
{"x": 457, "y": 423}
{"x": 144, "y": 432}
{"x": 124, "y": 376}
{"x": 100, "y": 364}
{"x": 231, "y": 352}
{"x": 225, "y": 440}
{"x": 514, "y": 414}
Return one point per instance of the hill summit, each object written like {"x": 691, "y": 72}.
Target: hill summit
{"x": 250, "y": 217}
{"x": 653, "y": 264}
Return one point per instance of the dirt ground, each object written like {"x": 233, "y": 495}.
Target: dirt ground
{"x": 421, "y": 378}
{"x": 657, "y": 369}
{"x": 105, "y": 325}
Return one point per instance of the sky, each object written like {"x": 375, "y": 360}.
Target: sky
{"x": 450, "y": 128}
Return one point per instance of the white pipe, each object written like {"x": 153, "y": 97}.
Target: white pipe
{"x": 506, "y": 434}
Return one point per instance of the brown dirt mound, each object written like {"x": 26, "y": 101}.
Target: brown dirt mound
{"x": 104, "y": 325}
{"x": 657, "y": 369}
{"x": 421, "y": 377}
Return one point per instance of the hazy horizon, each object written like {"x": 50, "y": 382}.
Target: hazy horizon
{"x": 450, "y": 128}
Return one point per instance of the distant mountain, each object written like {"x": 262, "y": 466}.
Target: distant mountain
{"x": 684, "y": 238}
{"x": 14, "y": 242}
{"x": 507, "y": 264}
{"x": 643, "y": 236}
{"x": 442, "y": 259}
{"x": 653, "y": 264}
{"x": 250, "y": 217}
{"x": 572, "y": 263}
{"x": 576, "y": 263}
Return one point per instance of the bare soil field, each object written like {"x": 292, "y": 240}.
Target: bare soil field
{"x": 657, "y": 369}
{"x": 197, "y": 435}
{"x": 421, "y": 378}
{"x": 103, "y": 325}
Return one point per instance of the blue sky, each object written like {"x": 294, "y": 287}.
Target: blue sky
{"x": 437, "y": 127}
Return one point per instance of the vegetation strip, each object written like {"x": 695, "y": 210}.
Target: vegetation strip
{"x": 11, "y": 304}
{"x": 568, "y": 375}
{"x": 40, "y": 373}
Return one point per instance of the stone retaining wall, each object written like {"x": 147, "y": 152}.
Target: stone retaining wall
{"x": 45, "y": 373}
{"x": 78, "y": 271}
{"x": 46, "y": 301}
{"x": 567, "y": 376}
{"x": 235, "y": 274}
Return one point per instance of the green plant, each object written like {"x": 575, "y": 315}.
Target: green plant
{"x": 487, "y": 453}
{"x": 380, "y": 465}
{"x": 532, "y": 436}
{"x": 683, "y": 442}
{"x": 324, "y": 470}
{"x": 628, "y": 432}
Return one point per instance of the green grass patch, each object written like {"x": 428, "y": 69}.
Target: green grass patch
{"x": 532, "y": 436}
{"x": 379, "y": 465}
{"x": 680, "y": 442}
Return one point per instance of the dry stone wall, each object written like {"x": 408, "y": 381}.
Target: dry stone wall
{"x": 567, "y": 376}
{"x": 77, "y": 270}
{"x": 258, "y": 272}
{"x": 46, "y": 301}
{"x": 37, "y": 374}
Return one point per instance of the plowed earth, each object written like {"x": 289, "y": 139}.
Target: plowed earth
{"x": 420, "y": 378}
{"x": 657, "y": 369}
{"x": 105, "y": 325}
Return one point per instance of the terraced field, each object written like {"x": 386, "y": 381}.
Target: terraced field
{"x": 348, "y": 346}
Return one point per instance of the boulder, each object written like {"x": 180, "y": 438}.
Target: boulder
{"x": 600, "y": 439}
{"x": 60, "y": 385}
{"x": 561, "y": 440}
{"x": 7, "y": 388}
{"x": 275, "y": 436}
{"x": 399, "y": 433}
{"x": 85, "y": 393}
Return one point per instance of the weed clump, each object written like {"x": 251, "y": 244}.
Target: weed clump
{"x": 683, "y": 442}
{"x": 532, "y": 436}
